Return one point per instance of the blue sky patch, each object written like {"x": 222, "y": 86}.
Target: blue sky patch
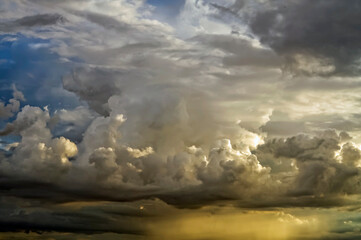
{"x": 35, "y": 70}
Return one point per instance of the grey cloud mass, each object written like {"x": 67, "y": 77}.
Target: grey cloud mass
{"x": 31, "y": 21}
{"x": 320, "y": 33}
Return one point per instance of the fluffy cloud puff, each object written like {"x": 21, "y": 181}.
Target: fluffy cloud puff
{"x": 37, "y": 155}
{"x": 297, "y": 166}
{"x": 8, "y": 110}
{"x": 316, "y": 164}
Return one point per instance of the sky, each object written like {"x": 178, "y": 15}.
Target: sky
{"x": 184, "y": 120}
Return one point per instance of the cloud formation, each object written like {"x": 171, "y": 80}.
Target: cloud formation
{"x": 315, "y": 37}
{"x": 31, "y": 21}
{"x": 8, "y": 110}
{"x": 241, "y": 104}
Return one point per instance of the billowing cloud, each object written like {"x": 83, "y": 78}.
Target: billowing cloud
{"x": 8, "y": 110}
{"x": 315, "y": 37}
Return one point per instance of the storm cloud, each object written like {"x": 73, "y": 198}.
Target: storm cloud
{"x": 232, "y": 111}
{"x": 315, "y": 37}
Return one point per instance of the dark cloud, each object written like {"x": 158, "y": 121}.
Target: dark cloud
{"x": 93, "y": 218}
{"x": 105, "y": 21}
{"x": 31, "y": 21}
{"x": 233, "y": 10}
{"x": 95, "y": 86}
{"x": 323, "y": 33}
{"x": 229, "y": 13}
